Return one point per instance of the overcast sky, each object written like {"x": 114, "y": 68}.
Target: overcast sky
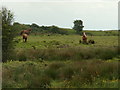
{"x": 95, "y": 14}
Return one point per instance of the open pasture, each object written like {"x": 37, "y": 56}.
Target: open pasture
{"x": 61, "y": 41}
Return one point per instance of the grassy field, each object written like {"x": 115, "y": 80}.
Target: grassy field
{"x": 53, "y": 41}
{"x": 60, "y": 61}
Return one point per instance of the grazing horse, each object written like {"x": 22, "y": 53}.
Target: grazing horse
{"x": 84, "y": 38}
{"x": 25, "y": 34}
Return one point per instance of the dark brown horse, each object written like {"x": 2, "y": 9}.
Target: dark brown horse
{"x": 25, "y": 34}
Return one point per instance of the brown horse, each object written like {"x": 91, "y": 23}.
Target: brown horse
{"x": 25, "y": 34}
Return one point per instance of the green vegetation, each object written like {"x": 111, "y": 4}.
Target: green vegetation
{"x": 61, "y": 74}
{"x": 7, "y": 33}
{"x": 60, "y": 61}
{"x": 50, "y": 30}
{"x": 53, "y": 57}
{"x": 66, "y": 54}
{"x": 62, "y": 41}
{"x": 78, "y": 26}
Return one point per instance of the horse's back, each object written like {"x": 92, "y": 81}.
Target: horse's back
{"x": 25, "y": 36}
{"x": 24, "y": 32}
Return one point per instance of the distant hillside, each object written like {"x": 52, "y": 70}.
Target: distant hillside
{"x": 102, "y": 33}
{"x": 37, "y": 30}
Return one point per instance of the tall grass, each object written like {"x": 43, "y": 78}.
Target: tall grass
{"x": 78, "y": 53}
{"x": 88, "y": 73}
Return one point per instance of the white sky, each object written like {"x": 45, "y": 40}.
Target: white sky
{"x": 95, "y": 14}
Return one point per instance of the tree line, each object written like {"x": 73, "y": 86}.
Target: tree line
{"x": 36, "y": 29}
{"x": 78, "y": 27}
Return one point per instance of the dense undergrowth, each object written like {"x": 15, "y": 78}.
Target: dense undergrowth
{"x": 61, "y": 74}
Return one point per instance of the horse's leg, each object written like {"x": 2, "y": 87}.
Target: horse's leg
{"x": 25, "y": 39}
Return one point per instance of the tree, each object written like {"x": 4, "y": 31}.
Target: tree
{"x": 0, "y": 35}
{"x": 78, "y": 26}
{"x": 7, "y": 33}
